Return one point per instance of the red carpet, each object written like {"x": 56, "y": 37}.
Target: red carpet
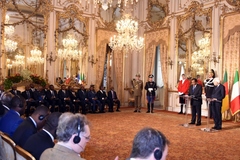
{"x": 112, "y": 135}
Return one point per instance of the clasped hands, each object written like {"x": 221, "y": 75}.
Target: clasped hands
{"x": 150, "y": 89}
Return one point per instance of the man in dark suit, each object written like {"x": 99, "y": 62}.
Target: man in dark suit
{"x": 216, "y": 104}
{"x": 52, "y": 98}
{"x": 12, "y": 119}
{"x": 14, "y": 90}
{"x": 29, "y": 97}
{"x": 64, "y": 96}
{"x": 75, "y": 100}
{"x": 84, "y": 102}
{"x": 102, "y": 97}
{"x": 30, "y": 125}
{"x": 43, "y": 139}
{"x": 6, "y": 98}
{"x": 195, "y": 91}
{"x": 40, "y": 97}
{"x": 92, "y": 96}
{"x": 112, "y": 96}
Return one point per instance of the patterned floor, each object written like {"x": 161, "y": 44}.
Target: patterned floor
{"x": 112, "y": 135}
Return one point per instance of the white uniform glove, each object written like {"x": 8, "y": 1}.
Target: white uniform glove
{"x": 150, "y": 89}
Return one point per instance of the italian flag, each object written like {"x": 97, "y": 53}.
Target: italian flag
{"x": 225, "y": 102}
{"x": 235, "y": 97}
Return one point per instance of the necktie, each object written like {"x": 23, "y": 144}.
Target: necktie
{"x": 28, "y": 94}
{"x": 194, "y": 87}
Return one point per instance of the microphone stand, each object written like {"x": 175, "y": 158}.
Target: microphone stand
{"x": 187, "y": 102}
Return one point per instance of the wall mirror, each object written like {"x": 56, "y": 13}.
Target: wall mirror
{"x": 193, "y": 40}
{"x": 71, "y": 43}
{"x": 24, "y": 31}
{"x": 157, "y": 11}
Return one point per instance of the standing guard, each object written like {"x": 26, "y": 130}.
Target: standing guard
{"x": 151, "y": 87}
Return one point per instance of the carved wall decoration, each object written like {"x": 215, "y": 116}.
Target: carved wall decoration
{"x": 157, "y": 13}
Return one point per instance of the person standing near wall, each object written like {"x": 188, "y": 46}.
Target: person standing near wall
{"x": 183, "y": 87}
{"x": 151, "y": 87}
{"x": 137, "y": 87}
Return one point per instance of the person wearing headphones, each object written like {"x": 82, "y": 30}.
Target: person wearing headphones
{"x": 73, "y": 134}
{"x": 149, "y": 144}
{"x": 43, "y": 139}
{"x": 30, "y": 125}
{"x": 12, "y": 119}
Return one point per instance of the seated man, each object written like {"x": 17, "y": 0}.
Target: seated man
{"x": 149, "y": 144}
{"x": 29, "y": 97}
{"x": 40, "y": 97}
{"x": 52, "y": 98}
{"x": 43, "y": 139}
{"x": 73, "y": 134}
{"x": 75, "y": 100}
{"x": 112, "y": 97}
{"x": 92, "y": 96}
{"x": 102, "y": 97}
{"x": 64, "y": 96}
{"x": 12, "y": 119}
{"x": 6, "y": 98}
{"x": 30, "y": 125}
{"x": 84, "y": 102}
{"x": 14, "y": 90}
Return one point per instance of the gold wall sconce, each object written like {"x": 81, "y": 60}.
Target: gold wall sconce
{"x": 215, "y": 58}
{"x": 170, "y": 62}
{"x": 50, "y": 58}
{"x": 92, "y": 60}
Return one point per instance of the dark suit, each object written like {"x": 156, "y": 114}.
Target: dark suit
{"x": 64, "y": 96}
{"x": 29, "y": 97}
{"x": 16, "y": 92}
{"x": 102, "y": 97}
{"x": 24, "y": 131}
{"x": 42, "y": 140}
{"x": 216, "y": 106}
{"x": 93, "y": 99}
{"x": 40, "y": 98}
{"x": 196, "y": 102}
{"x": 9, "y": 122}
{"x": 75, "y": 100}
{"x": 82, "y": 96}
{"x": 52, "y": 98}
{"x": 112, "y": 97}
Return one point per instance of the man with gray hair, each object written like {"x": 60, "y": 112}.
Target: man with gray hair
{"x": 216, "y": 104}
{"x": 73, "y": 133}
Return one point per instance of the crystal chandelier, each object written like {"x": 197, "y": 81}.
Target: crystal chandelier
{"x": 127, "y": 35}
{"x": 9, "y": 65}
{"x": 108, "y": 3}
{"x": 36, "y": 57}
{"x": 19, "y": 61}
{"x": 10, "y": 45}
{"x": 69, "y": 51}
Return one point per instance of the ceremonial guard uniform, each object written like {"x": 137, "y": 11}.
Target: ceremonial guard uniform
{"x": 151, "y": 87}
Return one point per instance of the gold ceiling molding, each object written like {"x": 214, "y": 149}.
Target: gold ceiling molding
{"x": 157, "y": 13}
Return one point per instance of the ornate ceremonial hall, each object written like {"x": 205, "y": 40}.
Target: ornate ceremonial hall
{"x": 106, "y": 43}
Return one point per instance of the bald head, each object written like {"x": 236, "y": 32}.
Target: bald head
{"x": 216, "y": 81}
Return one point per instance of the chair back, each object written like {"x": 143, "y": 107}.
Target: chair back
{"x": 22, "y": 154}
{"x": 7, "y": 147}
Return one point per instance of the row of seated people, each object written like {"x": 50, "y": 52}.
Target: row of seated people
{"x": 81, "y": 99}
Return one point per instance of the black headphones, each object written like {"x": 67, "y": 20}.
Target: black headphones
{"x": 41, "y": 117}
{"x": 158, "y": 152}
{"x": 77, "y": 138}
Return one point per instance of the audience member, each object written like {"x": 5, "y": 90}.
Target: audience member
{"x": 183, "y": 87}
{"x": 149, "y": 144}
{"x": 43, "y": 139}
{"x": 6, "y": 100}
{"x": 73, "y": 133}
{"x": 137, "y": 87}
{"x": 40, "y": 97}
{"x": 84, "y": 102}
{"x": 29, "y": 97}
{"x": 14, "y": 91}
{"x": 64, "y": 96}
{"x": 216, "y": 104}
{"x": 30, "y": 125}
{"x": 1, "y": 90}
{"x": 74, "y": 98}
{"x": 12, "y": 119}
{"x": 92, "y": 96}
{"x": 151, "y": 87}
{"x": 32, "y": 87}
{"x": 112, "y": 97}
{"x": 195, "y": 91}
{"x": 102, "y": 97}
{"x": 52, "y": 98}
